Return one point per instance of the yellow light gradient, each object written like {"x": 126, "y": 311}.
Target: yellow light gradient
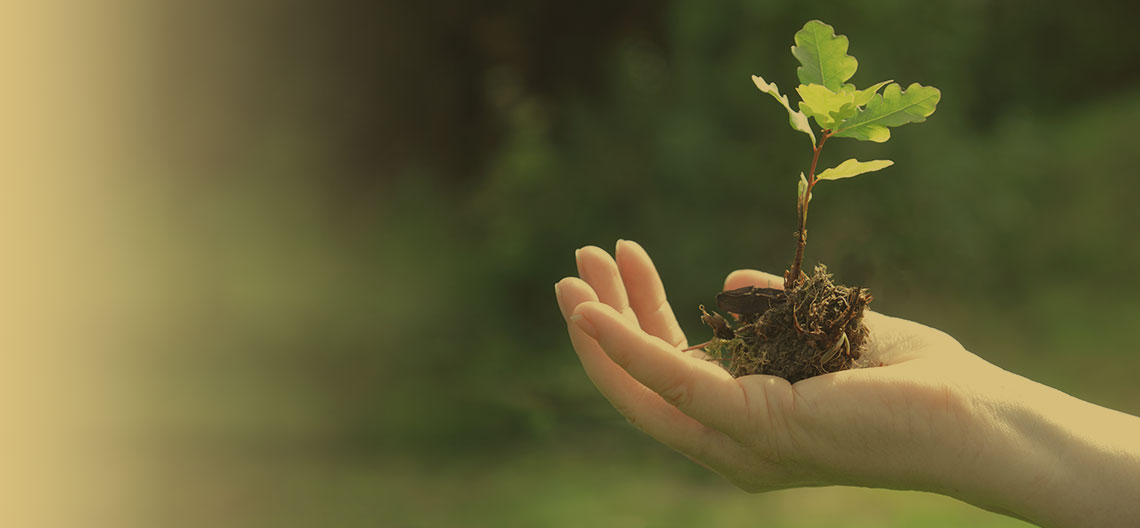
{"x": 69, "y": 272}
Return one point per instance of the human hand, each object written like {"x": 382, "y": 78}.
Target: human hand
{"x": 930, "y": 417}
{"x": 906, "y": 424}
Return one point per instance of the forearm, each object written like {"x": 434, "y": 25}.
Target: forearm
{"x": 1053, "y": 459}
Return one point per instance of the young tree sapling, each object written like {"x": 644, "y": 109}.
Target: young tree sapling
{"x": 813, "y": 326}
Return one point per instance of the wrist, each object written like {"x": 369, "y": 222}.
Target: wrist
{"x": 1047, "y": 457}
{"x": 1007, "y": 463}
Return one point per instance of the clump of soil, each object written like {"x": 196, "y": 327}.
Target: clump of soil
{"x": 814, "y": 328}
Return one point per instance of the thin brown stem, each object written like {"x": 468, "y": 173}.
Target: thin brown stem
{"x": 702, "y": 345}
{"x": 793, "y": 275}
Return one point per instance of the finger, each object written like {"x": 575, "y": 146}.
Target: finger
{"x": 572, "y": 291}
{"x": 697, "y": 388}
{"x": 642, "y": 407}
{"x": 599, "y": 270}
{"x": 647, "y": 294}
{"x": 749, "y": 277}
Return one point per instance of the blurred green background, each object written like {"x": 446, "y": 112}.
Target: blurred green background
{"x": 359, "y": 210}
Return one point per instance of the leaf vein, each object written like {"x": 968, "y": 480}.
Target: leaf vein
{"x": 819, "y": 55}
{"x": 886, "y": 115}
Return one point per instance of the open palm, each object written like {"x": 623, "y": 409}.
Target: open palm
{"x": 901, "y": 424}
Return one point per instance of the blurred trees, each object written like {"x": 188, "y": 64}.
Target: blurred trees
{"x": 379, "y": 197}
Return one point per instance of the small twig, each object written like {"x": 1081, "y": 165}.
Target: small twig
{"x": 702, "y": 345}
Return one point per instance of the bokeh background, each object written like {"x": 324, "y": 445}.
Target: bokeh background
{"x": 291, "y": 263}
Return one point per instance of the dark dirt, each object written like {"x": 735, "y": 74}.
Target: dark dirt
{"x": 814, "y": 328}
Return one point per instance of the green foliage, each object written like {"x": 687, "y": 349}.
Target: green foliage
{"x": 853, "y": 167}
{"x": 823, "y": 56}
{"x": 862, "y": 97}
{"x": 828, "y": 108}
{"x": 893, "y": 108}
{"x": 797, "y": 119}
{"x": 839, "y": 107}
{"x": 841, "y": 110}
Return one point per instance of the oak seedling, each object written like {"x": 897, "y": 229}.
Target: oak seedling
{"x": 813, "y": 326}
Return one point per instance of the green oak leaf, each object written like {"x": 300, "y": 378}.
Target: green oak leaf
{"x": 823, "y": 56}
{"x": 828, "y": 108}
{"x": 862, "y": 97}
{"x": 798, "y": 120}
{"x": 894, "y": 107}
{"x": 853, "y": 167}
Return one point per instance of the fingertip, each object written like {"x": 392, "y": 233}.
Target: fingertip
{"x": 626, "y": 245}
{"x": 628, "y": 249}
{"x": 564, "y": 282}
{"x": 750, "y": 277}
{"x": 591, "y": 252}
{"x": 599, "y": 314}
{"x": 594, "y": 309}
{"x": 572, "y": 292}
{"x": 622, "y": 253}
{"x": 590, "y": 259}
{"x": 731, "y": 279}
{"x": 599, "y": 269}
{"x": 584, "y": 325}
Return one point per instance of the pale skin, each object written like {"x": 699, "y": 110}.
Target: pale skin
{"x": 934, "y": 417}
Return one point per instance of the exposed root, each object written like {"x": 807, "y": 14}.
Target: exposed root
{"x": 815, "y": 328}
